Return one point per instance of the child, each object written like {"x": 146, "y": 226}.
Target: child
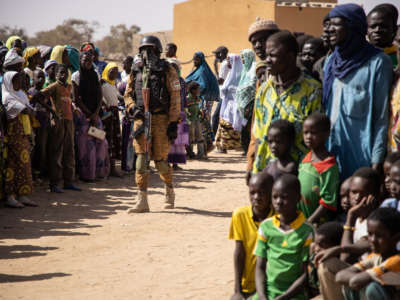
{"x": 318, "y": 172}
{"x": 193, "y": 118}
{"x": 243, "y": 229}
{"x": 39, "y": 159}
{"x": 364, "y": 191}
{"x": 387, "y": 165}
{"x": 49, "y": 68}
{"x": 366, "y": 279}
{"x": 61, "y": 135}
{"x": 283, "y": 245}
{"x": 326, "y": 236}
{"x": 394, "y": 187}
{"x": 111, "y": 122}
{"x": 344, "y": 200}
{"x": 281, "y": 135}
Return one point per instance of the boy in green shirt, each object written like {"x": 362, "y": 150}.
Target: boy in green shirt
{"x": 318, "y": 172}
{"x": 283, "y": 245}
{"x": 243, "y": 229}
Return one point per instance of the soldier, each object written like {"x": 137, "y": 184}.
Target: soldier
{"x": 161, "y": 81}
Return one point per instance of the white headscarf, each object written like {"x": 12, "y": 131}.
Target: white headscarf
{"x": 12, "y": 58}
{"x": 228, "y": 89}
{"x": 14, "y": 101}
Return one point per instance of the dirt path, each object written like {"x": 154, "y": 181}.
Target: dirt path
{"x": 85, "y": 246}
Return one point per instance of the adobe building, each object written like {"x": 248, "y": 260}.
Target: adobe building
{"x": 206, "y": 24}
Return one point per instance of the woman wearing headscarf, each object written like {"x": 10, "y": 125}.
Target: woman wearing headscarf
{"x": 60, "y": 55}
{"x": 45, "y": 52}
{"x": 245, "y": 95}
{"x": 227, "y": 137}
{"x": 209, "y": 92}
{"x": 14, "y": 41}
{"x": 13, "y": 61}
{"x": 92, "y": 159}
{"x": 110, "y": 115}
{"x": 18, "y": 179}
{"x": 73, "y": 55}
{"x": 356, "y": 85}
{"x": 32, "y": 60}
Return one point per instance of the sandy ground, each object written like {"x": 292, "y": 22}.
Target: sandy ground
{"x": 85, "y": 245}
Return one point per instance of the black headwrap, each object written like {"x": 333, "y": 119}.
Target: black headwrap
{"x": 89, "y": 87}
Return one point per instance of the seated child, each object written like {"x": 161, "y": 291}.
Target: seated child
{"x": 281, "y": 135}
{"x": 326, "y": 236}
{"x": 283, "y": 245}
{"x": 318, "y": 172}
{"x": 366, "y": 279}
{"x": 344, "y": 200}
{"x": 244, "y": 226}
{"x": 61, "y": 135}
{"x": 193, "y": 117}
{"x": 387, "y": 165}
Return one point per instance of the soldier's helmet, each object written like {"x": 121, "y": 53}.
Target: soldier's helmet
{"x": 151, "y": 40}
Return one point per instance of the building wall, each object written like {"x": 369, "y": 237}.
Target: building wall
{"x": 203, "y": 25}
{"x": 301, "y": 19}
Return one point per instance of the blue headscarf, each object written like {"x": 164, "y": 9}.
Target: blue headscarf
{"x": 203, "y": 75}
{"x": 73, "y": 55}
{"x": 354, "y": 52}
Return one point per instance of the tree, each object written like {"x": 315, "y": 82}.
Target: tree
{"x": 71, "y": 32}
{"x": 7, "y": 31}
{"x": 119, "y": 40}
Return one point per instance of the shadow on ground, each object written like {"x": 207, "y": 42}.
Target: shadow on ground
{"x": 68, "y": 214}
{"x": 7, "y": 278}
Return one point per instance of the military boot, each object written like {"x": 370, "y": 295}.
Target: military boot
{"x": 169, "y": 197}
{"x": 141, "y": 205}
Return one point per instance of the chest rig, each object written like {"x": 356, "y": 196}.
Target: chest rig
{"x": 159, "y": 96}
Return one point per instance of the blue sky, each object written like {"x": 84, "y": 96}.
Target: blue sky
{"x": 150, "y": 15}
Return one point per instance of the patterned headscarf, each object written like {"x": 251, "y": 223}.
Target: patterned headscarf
{"x": 246, "y": 90}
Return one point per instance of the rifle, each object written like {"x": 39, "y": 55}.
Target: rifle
{"x": 147, "y": 113}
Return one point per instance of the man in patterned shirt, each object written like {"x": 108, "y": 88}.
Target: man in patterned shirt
{"x": 288, "y": 94}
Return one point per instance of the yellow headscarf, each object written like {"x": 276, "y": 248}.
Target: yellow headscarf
{"x": 106, "y": 72}
{"x": 28, "y": 53}
{"x": 11, "y": 40}
{"x": 57, "y": 53}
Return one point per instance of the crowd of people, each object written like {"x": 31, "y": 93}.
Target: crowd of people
{"x": 323, "y": 160}
{"x": 318, "y": 119}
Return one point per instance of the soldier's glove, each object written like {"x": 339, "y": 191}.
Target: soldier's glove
{"x": 172, "y": 131}
{"x": 136, "y": 113}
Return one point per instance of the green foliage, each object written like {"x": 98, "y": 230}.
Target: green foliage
{"x": 7, "y": 31}
{"x": 75, "y": 32}
{"x": 119, "y": 40}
